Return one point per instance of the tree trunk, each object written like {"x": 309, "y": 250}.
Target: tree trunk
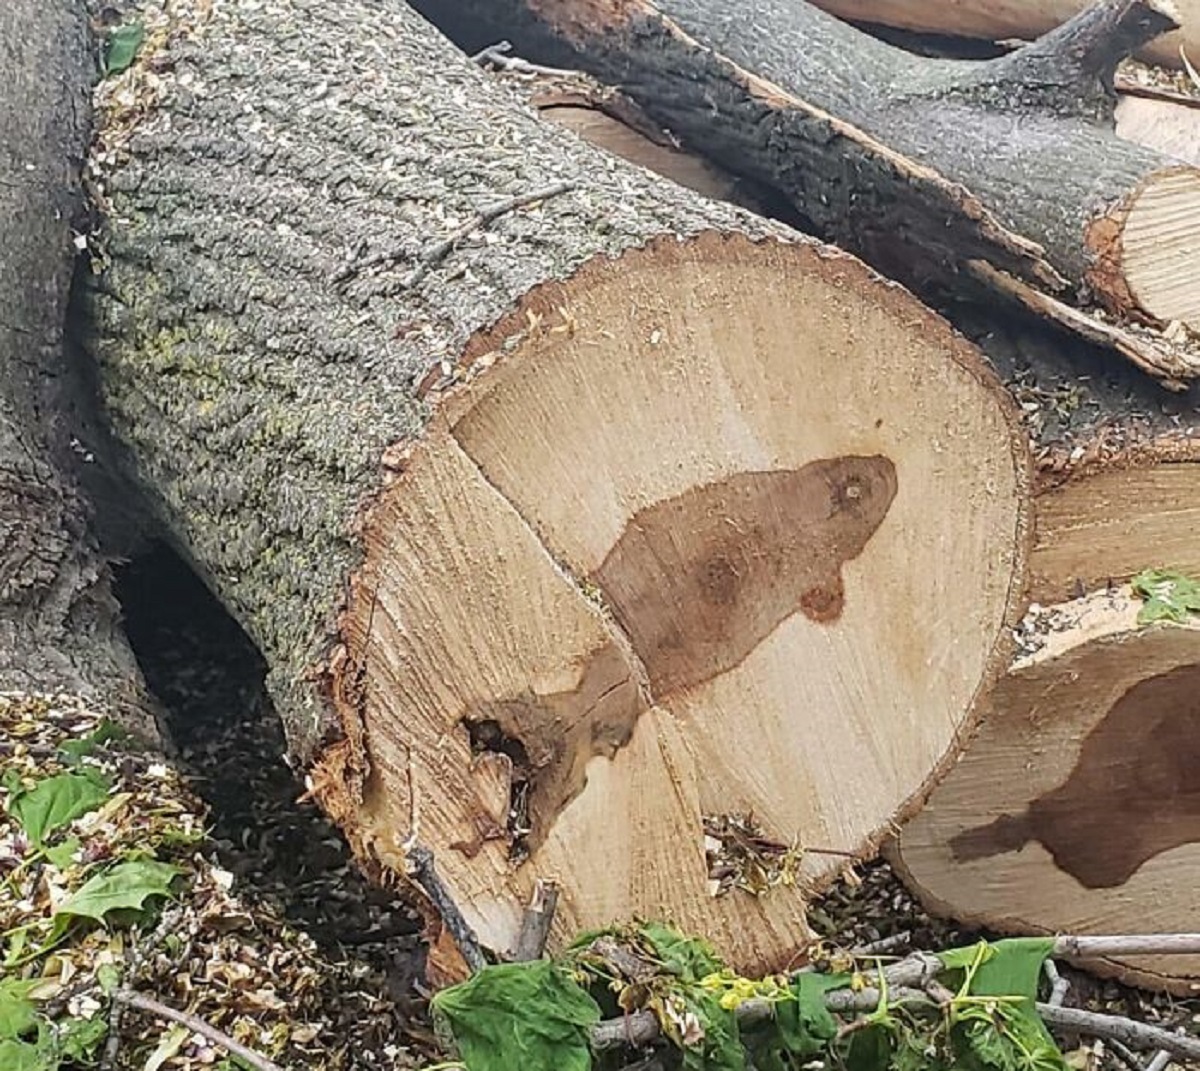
{"x": 925, "y": 167}
{"x": 560, "y": 529}
{"x": 1077, "y": 807}
{"x": 1006, "y": 19}
{"x": 59, "y": 629}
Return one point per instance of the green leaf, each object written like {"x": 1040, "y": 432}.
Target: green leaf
{"x": 127, "y": 885}
{"x": 801, "y": 1027}
{"x": 532, "y": 1016}
{"x": 1004, "y": 1034}
{"x": 22, "y": 1056}
{"x": 123, "y": 45}
{"x": 63, "y": 855}
{"x": 688, "y": 957}
{"x": 720, "y": 1049}
{"x": 55, "y": 801}
{"x": 869, "y": 1048}
{"x": 1013, "y": 968}
{"x": 76, "y": 750}
{"x": 17, "y": 1012}
{"x": 108, "y": 977}
{"x": 78, "y": 1039}
{"x": 1169, "y": 596}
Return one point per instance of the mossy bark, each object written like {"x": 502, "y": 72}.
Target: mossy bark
{"x": 253, "y": 374}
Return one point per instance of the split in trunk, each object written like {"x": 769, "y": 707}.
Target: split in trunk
{"x": 1077, "y": 805}
{"x": 922, "y": 166}
{"x": 585, "y": 516}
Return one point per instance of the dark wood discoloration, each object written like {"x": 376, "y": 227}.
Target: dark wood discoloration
{"x": 552, "y": 737}
{"x": 1134, "y": 793}
{"x": 699, "y": 580}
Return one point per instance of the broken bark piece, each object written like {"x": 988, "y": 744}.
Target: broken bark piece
{"x": 1077, "y": 807}
{"x": 1012, "y": 19}
{"x": 631, "y": 510}
{"x": 919, "y": 165}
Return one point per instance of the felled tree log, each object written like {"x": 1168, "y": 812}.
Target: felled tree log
{"x": 925, "y": 167}
{"x": 59, "y": 630}
{"x": 567, "y": 508}
{"x": 1078, "y": 802}
{"x": 1126, "y": 504}
{"x": 1009, "y": 19}
{"x": 1167, "y": 126}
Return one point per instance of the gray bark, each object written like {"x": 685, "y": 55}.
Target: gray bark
{"x": 59, "y": 628}
{"x": 1030, "y": 135}
{"x": 254, "y": 377}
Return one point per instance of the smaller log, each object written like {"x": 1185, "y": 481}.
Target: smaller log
{"x": 1167, "y": 126}
{"x": 1076, "y": 807}
{"x": 1012, "y": 161}
{"x": 1010, "y": 19}
{"x": 1108, "y": 509}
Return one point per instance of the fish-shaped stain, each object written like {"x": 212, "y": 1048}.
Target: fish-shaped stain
{"x": 1133, "y": 794}
{"x": 699, "y": 580}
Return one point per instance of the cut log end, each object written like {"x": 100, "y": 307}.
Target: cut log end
{"x": 677, "y": 549}
{"x": 1077, "y": 807}
{"x": 1161, "y": 246}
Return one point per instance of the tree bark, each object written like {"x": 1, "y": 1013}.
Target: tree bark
{"x": 59, "y": 628}
{"x": 924, "y": 167}
{"x": 560, "y": 531}
{"x": 1009, "y": 19}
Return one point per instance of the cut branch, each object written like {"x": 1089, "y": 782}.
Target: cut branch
{"x": 1011, "y": 161}
{"x": 1019, "y": 19}
{"x": 1106, "y": 824}
{"x": 538, "y": 544}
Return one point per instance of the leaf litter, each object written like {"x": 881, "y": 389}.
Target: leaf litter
{"x": 109, "y": 877}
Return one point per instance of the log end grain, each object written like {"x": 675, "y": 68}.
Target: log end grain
{"x": 716, "y": 528}
{"x": 1076, "y": 808}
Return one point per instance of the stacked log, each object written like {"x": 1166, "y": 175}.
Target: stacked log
{"x": 1006, "y": 171}
{"x": 1012, "y": 19}
{"x": 590, "y": 530}
{"x": 59, "y": 628}
{"x": 1074, "y": 808}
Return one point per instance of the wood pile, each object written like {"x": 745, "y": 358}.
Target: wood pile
{"x": 597, "y": 530}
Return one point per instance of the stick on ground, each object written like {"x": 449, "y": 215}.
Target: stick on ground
{"x": 198, "y": 1026}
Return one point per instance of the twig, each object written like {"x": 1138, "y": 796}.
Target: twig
{"x": 1125, "y": 1054}
{"x": 135, "y": 958}
{"x": 425, "y": 875}
{"x": 437, "y": 253}
{"x": 1136, "y": 1035}
{"x": 641, "y": 1027}
{"x": 535, "y": 926}
{"x": 1059, "y": 986}
{"x": 498, "y": 56}
{"x": 1160, "y": 1062}
{"x": 915, "y": 978}
{"x": 499, "y": 48}
{"x": 883, "y": 945}
{"x": 1135, "y": 944}
{"x": 196, "y": 1026}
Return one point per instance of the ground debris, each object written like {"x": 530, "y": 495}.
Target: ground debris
{"x": 109, "y": 878}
